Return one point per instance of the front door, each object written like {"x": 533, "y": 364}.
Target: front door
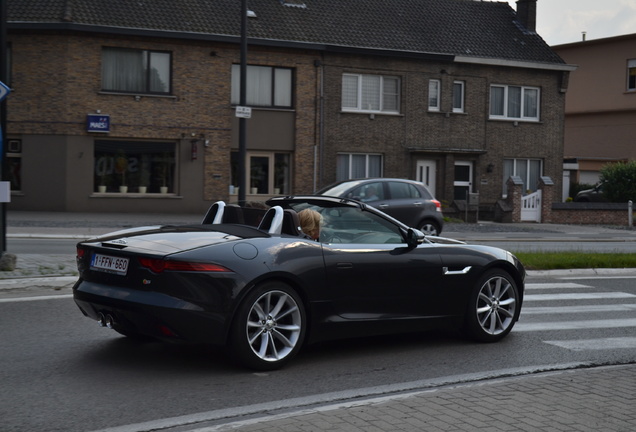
{"x": 426, "y": 172}
{"x": 463, "y": 180}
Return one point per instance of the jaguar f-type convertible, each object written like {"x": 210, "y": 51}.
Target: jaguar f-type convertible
{"x": 249, "y": 279}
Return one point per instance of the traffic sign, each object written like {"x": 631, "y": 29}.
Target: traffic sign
{"x": 4, "y": 91}
{"x": 243, "y": 112}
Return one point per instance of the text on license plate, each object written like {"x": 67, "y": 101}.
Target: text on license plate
{"x": 109, "y": 264}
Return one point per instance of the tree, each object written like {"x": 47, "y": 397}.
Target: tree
{"x": 619, "y": 181}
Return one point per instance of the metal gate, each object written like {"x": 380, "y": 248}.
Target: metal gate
{"x": 531, "y": 207}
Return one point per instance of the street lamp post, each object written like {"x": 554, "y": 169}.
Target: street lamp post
{"x": 242, "y": 153}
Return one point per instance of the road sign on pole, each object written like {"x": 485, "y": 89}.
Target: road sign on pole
{"x": 4, "y": 91}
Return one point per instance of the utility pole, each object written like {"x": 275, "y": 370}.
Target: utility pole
{"x": 3, "y": 122}
{"x": 242, "y": 159}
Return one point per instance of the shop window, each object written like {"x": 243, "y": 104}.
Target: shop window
{"x": 139, "y": 167}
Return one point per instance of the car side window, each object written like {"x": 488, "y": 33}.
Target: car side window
{"x": 369, "y": 192}
{"x": 400, "y": 190}
{"x": 355, "y": 226}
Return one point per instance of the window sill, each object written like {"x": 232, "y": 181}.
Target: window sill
{"x": 136, "y": 96}
{"x": 515, "y": 121}
{"x": 373, "y": 113}
{"x": 129, "y": 195}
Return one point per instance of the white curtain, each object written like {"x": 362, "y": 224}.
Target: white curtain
{"x": 123, "y": 70}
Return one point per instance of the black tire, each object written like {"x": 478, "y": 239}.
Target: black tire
{"x": 269, "y": 327}
{"x": 429, "y": 228}
{"x": 493, "y": 308}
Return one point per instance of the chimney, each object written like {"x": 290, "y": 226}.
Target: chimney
{"x": 527, "y": 14}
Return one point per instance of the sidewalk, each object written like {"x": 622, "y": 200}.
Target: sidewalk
{"x": 582, "y": 399}
{"x": 579, "y": 398}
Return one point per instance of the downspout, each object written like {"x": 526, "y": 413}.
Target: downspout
{"x": 319, "y": 147}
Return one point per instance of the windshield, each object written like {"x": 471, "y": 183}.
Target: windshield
{"x": 339, "y": 189}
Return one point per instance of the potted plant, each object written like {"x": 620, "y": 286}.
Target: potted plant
{"x": 121, "y": 166}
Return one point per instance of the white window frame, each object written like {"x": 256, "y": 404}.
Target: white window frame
{"x": 528, "y": 173}
{"x": 347, "y": 171}
{"x": 356, "y": 84}
{"x": 461, "y": 85}
{"x": 631, "y": 75}
{"x": 434, "y": 94}
{"x": 524, "y": 94}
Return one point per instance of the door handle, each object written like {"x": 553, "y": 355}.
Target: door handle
{"x": 344, "y": 266}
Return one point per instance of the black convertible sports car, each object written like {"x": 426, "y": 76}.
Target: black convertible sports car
{"x": 249, "y": 279}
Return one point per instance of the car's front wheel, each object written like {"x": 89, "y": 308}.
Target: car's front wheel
{"x": 269, "y": 328}
{"x": 494, "y": 307}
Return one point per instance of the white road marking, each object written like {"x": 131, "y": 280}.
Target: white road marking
{"x": 575, "y": 325}
{"x": 34, "y": 298}
{"x": 578, "y": 296}
{"x": 596, "y": 344}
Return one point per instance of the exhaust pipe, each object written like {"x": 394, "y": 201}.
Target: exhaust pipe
{"x": 106, "y": 320}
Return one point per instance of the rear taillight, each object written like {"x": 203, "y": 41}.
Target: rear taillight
{"x": 80, "y": 253}
{"x": 160, "y": 265}
{"x": 438, "y": 205}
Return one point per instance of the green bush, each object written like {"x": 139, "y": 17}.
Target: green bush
{"x": 620, "y": 181}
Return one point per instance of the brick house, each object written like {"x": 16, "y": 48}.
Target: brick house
{"x": 600, "y": 105}
{"x": 459, "y": 94}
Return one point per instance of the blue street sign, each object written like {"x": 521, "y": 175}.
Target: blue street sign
{"x": 4, "y": 91}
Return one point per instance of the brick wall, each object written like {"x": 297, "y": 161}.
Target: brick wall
{"x": 590, "y": 213}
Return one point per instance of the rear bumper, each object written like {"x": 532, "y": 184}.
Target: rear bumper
{"x": 150, "y": 314}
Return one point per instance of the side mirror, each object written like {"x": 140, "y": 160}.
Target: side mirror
{"x": 414, "y": 237}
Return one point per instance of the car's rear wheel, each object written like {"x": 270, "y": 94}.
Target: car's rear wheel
{"x": 493, "y": 308}
{"x": 269, "y": 328}
{"x": 429, "y": 228}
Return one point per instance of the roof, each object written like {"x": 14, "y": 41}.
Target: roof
{"x": 466, "y": 28}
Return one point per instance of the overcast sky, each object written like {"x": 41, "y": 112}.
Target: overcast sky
{"x": 563, "y": 21}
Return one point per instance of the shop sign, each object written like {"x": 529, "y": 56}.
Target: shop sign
{"x": 98, "y": 123}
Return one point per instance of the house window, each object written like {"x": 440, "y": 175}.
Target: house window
{"x": 14, "y": 164}
{"x": 433, "y": 95}
{"x": 529, "y": 170}
{"x": 266, "y": 86}
{"x": 358, "y": 165}
{"x": 631, "y": 74}
{"x": 149, "y": 165}
{"x": 266, "y": 173}
{"x": 136, "y": 71}
{"x": 514, "y": 102}
{"x": 458, "y": 96}
{"x": 370, "y": 93}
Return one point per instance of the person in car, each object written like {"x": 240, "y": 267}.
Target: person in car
{"x": 310, "y": 221}
{"x": 370, "y": 194}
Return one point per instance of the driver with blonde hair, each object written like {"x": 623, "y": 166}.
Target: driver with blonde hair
{"x": 310, "y": 221}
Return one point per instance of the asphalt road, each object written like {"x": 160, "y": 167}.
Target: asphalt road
{"x": 60, "y": 371}
{"x": 55, "y": 246}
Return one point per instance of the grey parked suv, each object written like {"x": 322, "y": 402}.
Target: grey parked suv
{"x": 406, "y": 200}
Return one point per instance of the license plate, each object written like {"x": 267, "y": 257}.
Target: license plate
{"x": 109, "y": 264}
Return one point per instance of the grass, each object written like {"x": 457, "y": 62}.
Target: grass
{"x": 575, "y": 260}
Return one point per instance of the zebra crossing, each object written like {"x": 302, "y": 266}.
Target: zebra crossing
{"x": 570, "y": 306}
